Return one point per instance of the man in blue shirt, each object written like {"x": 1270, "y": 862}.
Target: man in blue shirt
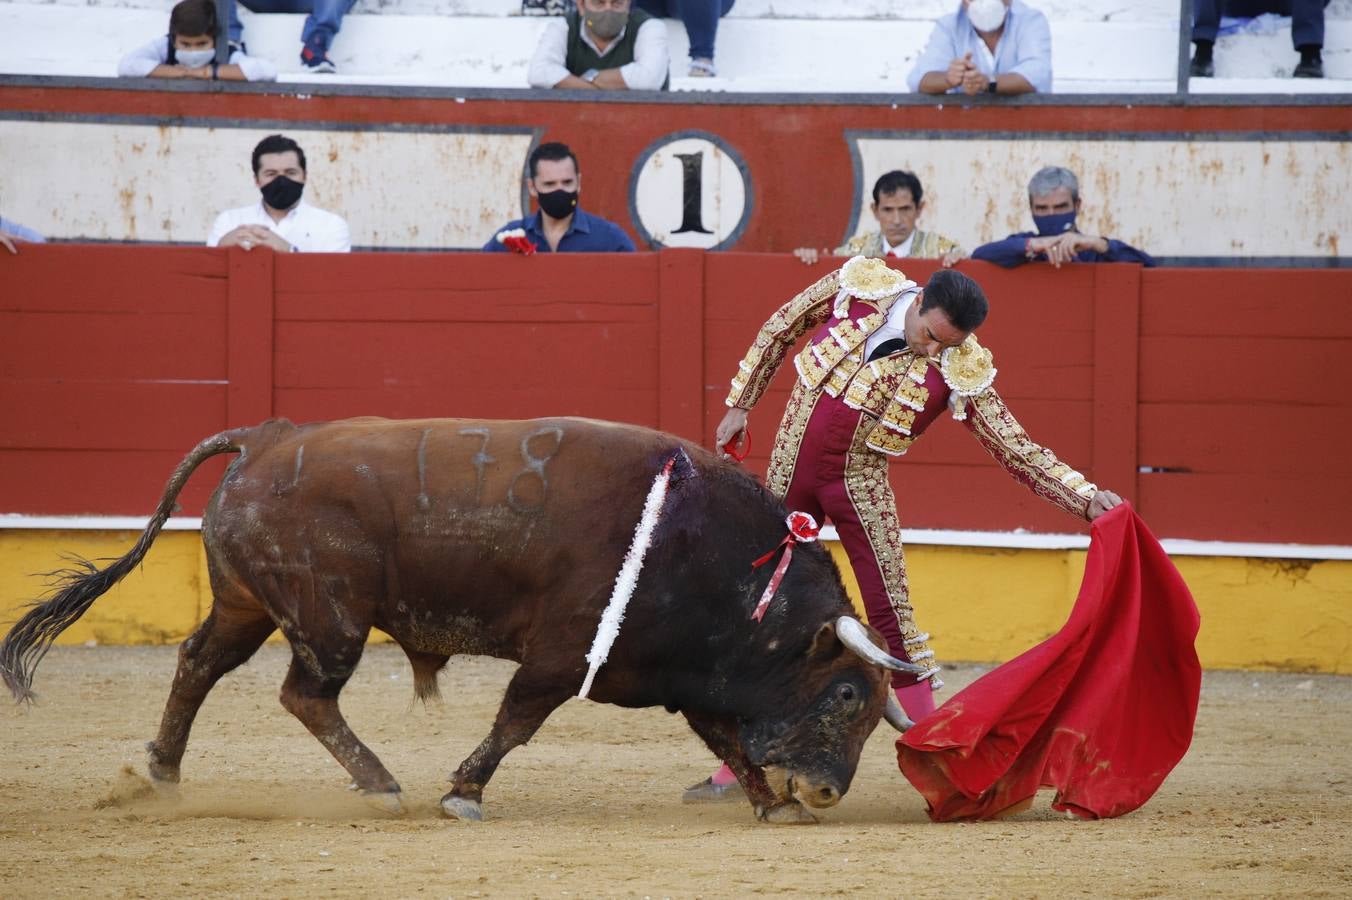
{"x": 986, "y": 47}
{"x": 560, "y": 225}
{"x": 1054, "y": 198}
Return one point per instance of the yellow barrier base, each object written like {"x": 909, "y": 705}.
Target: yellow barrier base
{"x": 980, "y": 604}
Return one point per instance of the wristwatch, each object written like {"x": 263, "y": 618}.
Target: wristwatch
{"x": 589, "y": 76}
{"x": 991, "y": 88}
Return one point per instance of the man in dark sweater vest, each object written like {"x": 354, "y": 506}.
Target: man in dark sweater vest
{"x": 602, "y": 45}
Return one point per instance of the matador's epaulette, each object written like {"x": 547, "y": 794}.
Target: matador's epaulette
{"x": 968, "y": 369}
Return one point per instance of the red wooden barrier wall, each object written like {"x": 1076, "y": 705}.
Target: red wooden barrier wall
{"x": 114, "y": 361}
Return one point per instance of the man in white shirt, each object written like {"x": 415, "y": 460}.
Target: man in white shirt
{"x": 986, "y": 46}
{"x": 281, "y": 220}
{"x": 602, "y": 45}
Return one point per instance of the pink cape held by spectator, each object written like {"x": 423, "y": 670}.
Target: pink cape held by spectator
{"x": 1102, "y": 711}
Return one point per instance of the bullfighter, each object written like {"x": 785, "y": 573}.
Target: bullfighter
{"x": 886, "y": 359}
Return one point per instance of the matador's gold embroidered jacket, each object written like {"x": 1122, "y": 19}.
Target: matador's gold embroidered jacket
{"x": 901, "y": 393}
{"x": 927, "y": 245}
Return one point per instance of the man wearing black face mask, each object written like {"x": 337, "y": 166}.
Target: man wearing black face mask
{"x": 281, "y": 221}
{"x": 560, "y": 226}
{"x": 1054, "y": 199}
{"x": 602, "y": 45}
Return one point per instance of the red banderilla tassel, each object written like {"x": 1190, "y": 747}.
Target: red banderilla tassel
{"x": 802, "y": 529}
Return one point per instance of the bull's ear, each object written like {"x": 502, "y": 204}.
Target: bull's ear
{"x": 825, "y": 643}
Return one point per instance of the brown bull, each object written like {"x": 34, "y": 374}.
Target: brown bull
{"x": 504, "y": 539}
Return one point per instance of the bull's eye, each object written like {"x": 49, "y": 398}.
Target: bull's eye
{"x": 846, "y": 692}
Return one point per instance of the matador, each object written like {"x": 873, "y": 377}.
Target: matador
{"x": 886, "y": 358}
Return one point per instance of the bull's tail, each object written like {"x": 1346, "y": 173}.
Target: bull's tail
{"x": 76, "y": 588}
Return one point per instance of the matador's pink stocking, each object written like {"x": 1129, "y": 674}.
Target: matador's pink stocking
{"x": 916, "y": 699}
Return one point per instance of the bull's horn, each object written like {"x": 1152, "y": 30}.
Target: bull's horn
{"x": 852, "y": 634}
{"x": 894, "y": 715}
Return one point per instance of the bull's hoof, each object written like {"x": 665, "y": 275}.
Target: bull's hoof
{"x": 454, "y": 807}
{"x": 791, "y": 813}
{"x": 386, "y": 802}
{"x": 163, "y": 776}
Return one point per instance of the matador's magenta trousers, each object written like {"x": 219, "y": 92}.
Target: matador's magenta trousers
{"x": 821, "y": 466}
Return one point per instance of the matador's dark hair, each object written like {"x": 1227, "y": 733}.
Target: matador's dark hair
{"x": 959, "y": 296}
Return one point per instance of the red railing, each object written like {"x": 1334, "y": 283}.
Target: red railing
{"x": 1215, "y": 399}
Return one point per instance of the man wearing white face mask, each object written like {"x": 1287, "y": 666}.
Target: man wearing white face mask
{"x": 986, "y": 47}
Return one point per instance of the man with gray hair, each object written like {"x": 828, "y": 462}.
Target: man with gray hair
{"x": 1054, "y": 199}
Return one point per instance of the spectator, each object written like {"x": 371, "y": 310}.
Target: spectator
{"x": 603, "y": 44}
{"x": 987, "y": 46}
{"x": 898, "y": 201}
{"x": 11, "y": 231}
{"x": 189, "y": 51}
{"x": 700, "y": 18}
{"x": 1054, "y": 198}
{"x": 560, "y": 224}
{"x": 324, "y": 19}
{"x": 281, "y": 220}
{"x": 1307, "y": 31}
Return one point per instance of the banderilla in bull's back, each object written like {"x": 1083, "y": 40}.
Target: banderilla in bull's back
{"x": 504, "y": 538}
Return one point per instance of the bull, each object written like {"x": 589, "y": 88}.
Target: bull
{"x": 504, "y": 539}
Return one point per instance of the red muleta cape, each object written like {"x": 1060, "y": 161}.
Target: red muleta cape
{"x": 1101, "y": 711}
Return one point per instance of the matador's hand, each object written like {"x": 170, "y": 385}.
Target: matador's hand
{"x": 731, "y": 432}
{"x": 1102, "y": 502}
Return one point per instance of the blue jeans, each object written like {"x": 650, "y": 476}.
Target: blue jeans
{"x": 325, "y": 16}
{"x": 700, "y": 18}
{"x": 1307, "y": 17}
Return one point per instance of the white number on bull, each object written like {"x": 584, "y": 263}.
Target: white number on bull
{"x": 535, "y": 465}
{"x": 481, "y": 459}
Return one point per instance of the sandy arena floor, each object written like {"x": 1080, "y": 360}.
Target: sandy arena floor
{"x": 1261, "y": 806}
